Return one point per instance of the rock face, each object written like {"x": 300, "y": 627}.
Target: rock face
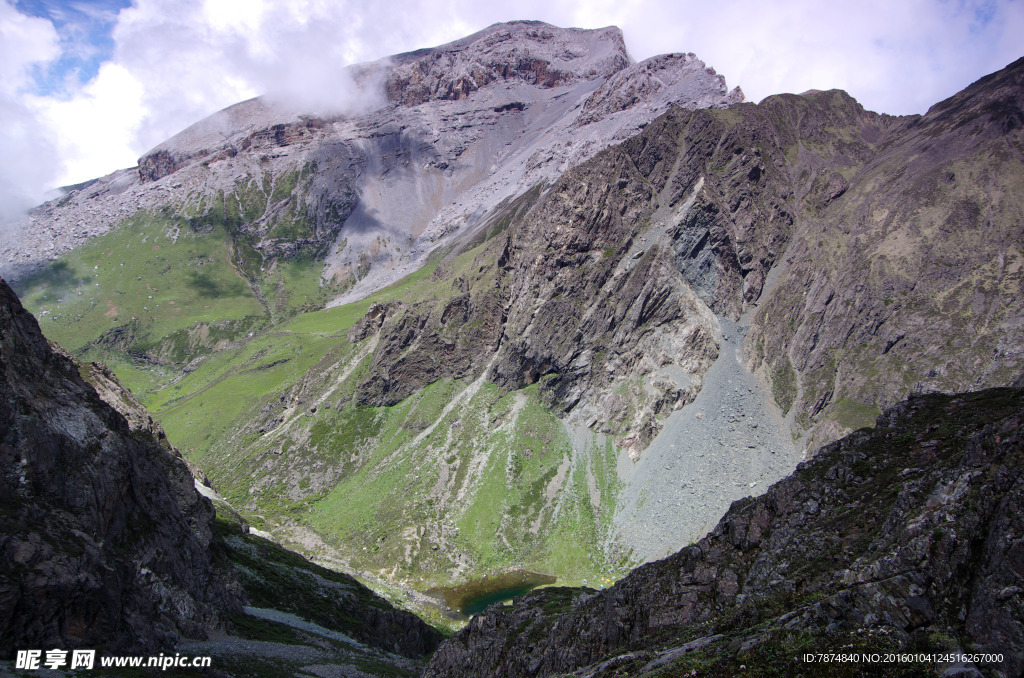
{"x": 902, "y": 537}
{"x": 105, "y": 541}
{"x": 572, "y": 295}
{"x": 906, "y": 267}
{"x": 527, "y": 51}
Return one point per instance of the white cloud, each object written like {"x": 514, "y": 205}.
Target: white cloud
{"x": 195, "y": 57}
{"x": 28, "y": 161}
{"x": 25, "y": 42}
{"x": 94, "y": 128}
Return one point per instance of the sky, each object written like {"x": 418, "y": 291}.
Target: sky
{"x": 88, "y": 86}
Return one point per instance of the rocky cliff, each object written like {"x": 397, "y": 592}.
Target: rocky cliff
{"x": 774, "y": 214}
{"x": 106, "y": 542}
{"x": 905, "y": 268}
{"x": 901, "y": 538}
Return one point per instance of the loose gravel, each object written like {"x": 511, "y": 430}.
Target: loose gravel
{"x": 729, "y": 443}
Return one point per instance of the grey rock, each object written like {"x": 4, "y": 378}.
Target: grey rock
{"x": 104, "y": 539}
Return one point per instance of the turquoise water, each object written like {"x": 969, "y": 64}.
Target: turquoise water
{"x": 473, "y": 597}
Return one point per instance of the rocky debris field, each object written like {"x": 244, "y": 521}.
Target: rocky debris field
{"x": 729, "y": 443}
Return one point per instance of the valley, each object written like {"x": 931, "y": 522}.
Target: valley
{"x": 541, "y": 308}
{"x": 221, "y": 303}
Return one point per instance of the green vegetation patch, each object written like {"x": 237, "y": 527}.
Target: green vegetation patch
{"x": 853, "y": 415}
{"x": 149, "y": 278}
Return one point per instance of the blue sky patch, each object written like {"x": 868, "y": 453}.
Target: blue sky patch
{"x": 84, "y": 28}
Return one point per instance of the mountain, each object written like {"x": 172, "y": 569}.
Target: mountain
{"x": 237, "y": 224}
{"x": 621, "y": 314}
{"x": 916, "y": 242}
{"x": 898, "y": 540}
{"x": 447, "y": 134}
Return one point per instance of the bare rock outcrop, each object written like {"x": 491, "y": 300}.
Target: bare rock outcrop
{"x": 104, "y": 539}
{"x": 528, "y": 51}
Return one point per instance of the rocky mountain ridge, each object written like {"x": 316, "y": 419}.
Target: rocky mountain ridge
{"x": 105, "y": 540}
{"x": 917, "y": 231}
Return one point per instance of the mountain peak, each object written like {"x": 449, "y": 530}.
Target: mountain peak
{"x": 533, "y": 52}
{"x": 536, "y": 31}
{"x": 529, "y": 53}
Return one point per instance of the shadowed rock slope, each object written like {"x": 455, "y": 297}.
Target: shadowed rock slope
{"x": 104, "y": 540}
{"x": 902, "y": 537}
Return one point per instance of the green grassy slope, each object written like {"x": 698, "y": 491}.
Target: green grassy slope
{"x": 457, "y": 480}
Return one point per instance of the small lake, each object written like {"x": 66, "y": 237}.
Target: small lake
{"x": 473, "y": 597}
